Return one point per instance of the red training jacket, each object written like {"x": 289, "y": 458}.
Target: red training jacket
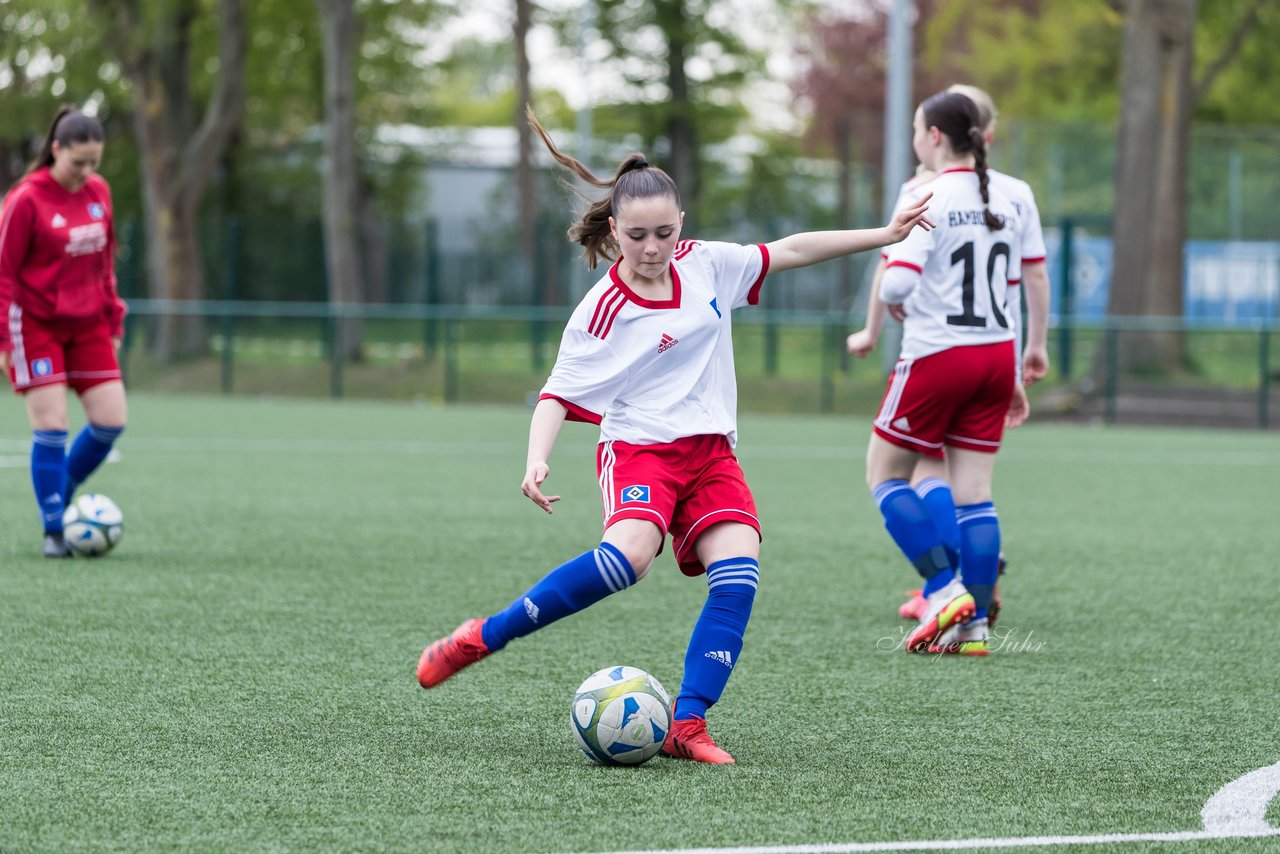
{"x": 57, "y": 253}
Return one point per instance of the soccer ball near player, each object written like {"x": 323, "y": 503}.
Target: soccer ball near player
{"x": 92, "y": 525}
{"x": 620, "y": 716}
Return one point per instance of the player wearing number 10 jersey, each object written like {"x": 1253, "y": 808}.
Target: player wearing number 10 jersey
{"x": 955, "y": 383}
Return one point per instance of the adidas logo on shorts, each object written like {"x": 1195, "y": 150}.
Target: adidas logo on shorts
{"x": 902, "y": 424}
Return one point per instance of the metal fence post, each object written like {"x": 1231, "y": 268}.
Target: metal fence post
{"x": 333, "y": 331}
{"x": 1064, "y": 300}
{"x": 451, "y": 336}
{"x": 1113, "y": 366}
{"x": 826, "y": 366}
{"x": 229, "y": 294}
{"x": 538, "y": 329}
{"x": 1264, "y": 377}
{"x": 432, "y": 271}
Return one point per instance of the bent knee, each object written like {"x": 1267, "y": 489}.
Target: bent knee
{"x": 640, "y": 559}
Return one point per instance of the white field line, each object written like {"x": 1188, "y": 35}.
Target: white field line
{"x": 1236, "y": 811}
{"x": 854, "y": 452}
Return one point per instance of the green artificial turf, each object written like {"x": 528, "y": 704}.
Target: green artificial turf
{"x": 239, "y": 673}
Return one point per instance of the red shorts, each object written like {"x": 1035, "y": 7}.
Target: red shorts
{"x": 78, "y": 353}
{"x": 957, "y": 397}
{"x": 684, "y": 487}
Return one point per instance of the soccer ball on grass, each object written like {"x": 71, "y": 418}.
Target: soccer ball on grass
{"x": 92, "y": 525}
{"x": 620, "y": 716}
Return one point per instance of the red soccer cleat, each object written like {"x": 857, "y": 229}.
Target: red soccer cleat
{"x": 689, "y": 739}
{"x": 914, "y": 607}
{"x": 451, "y": 653}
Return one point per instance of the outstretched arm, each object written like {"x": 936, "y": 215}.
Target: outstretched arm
{"x": 548, "y": 415}
{"x": 812, "y": 247}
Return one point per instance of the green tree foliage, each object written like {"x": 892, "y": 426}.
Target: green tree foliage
{"x": 1046, "y": 59}
{"x": 1240, "y": 36}
{"x": 1040, "y": 59}
{"x": 48, "y": 57}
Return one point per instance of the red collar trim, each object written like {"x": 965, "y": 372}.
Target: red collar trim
{"x": 674, "y": 302}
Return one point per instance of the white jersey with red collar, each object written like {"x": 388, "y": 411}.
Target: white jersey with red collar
{"x": 649, "y": 371}
{"x": 955, "y": 277}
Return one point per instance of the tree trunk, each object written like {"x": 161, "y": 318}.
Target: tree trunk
{"x": 178, "y": 156}
{"x": 1150, "y": 224}
{"x": 682, "y": 163}
{"x": 527, "y": 202}
{"x": 341, "y": 182}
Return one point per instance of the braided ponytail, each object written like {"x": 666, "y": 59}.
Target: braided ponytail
{"x": 957, "y": 116}
{"x": 994, "y": 223}
{"x": 633, "y": 179}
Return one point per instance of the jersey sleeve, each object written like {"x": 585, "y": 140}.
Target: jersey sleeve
{"x": 737, "y": 271}
{"x": 905, "y": 192}
{"x": 588, "y": 376}
{"x": 116, "y": 308}
{"x": 1033, "y": 249}
{"x": 15, "y": 238}
{"x": 904, "y": 264}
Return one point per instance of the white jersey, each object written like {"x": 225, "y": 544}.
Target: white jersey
{"x": 1033, "y": 249}
{"x": 1018, "y": 191}
{"x": 955, "y": 277}
{"x": 649, "y": 371}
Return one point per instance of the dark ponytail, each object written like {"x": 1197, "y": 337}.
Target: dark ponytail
{"x": 957, "y": 117}
{"x": 633, "y": 179}
{"x": 69, "y": 126}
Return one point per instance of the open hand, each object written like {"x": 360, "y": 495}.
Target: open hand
{"x": 909, "y": 217}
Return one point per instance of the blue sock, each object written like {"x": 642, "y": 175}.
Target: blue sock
{"x": 717, "y": 636}
{"x": 979, "y": 551}
{"x": 909, "y": 524}
{"x": 87, "y": 453}
{"x": 565, "y": 590}
{"x": 936, "y": 495}
{"x": 48, "y": 471}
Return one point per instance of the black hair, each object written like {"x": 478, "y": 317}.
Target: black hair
{"x": 957, "y": 117}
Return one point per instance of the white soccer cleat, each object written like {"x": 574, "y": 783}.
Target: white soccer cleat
{"x": 948, "y": 606}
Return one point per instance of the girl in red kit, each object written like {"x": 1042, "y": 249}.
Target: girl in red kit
{"x": 61, "y": 321}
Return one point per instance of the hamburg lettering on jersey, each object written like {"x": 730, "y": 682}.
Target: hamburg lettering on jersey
{"x": 969, "y": 218}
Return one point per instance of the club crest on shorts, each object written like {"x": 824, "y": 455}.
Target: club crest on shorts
{"x": 42, "y": 367}
{"x": 635, "y": 495}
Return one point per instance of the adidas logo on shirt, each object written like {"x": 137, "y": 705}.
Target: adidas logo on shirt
{"x": 667, "y": 343}
{"x": 721, "y": 655}
{"x": 902, "y": 424}
{"x": 531, "y": 609}
{"x": 58, "y": 221}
